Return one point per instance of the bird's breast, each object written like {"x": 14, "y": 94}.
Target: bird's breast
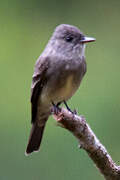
{"x": 62, "y": 83}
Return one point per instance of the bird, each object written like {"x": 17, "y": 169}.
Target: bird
{"x": 57, "y": 75}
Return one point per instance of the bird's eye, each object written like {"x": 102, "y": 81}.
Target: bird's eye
{"x": 69, "y": 38}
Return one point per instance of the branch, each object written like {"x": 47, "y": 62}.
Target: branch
{"x": 88, "y": 141}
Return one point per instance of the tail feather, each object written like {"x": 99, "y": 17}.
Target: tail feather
{"x": 35, "y": 138}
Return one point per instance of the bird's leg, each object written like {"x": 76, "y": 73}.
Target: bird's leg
{"x": 58, "y": 104}
{"x": 56, "y": 108}
{"x": 73, "y": 112}
{"x": 67, "y": 106}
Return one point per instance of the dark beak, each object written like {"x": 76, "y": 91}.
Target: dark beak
{"x": 87, "y": 40}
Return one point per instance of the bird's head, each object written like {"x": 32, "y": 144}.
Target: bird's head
{"x": 69, "y": 40}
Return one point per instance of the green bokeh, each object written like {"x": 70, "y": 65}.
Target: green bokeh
{"x": 25, "y": 27}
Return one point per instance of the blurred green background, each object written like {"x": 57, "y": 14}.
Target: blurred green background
{"x": 25, "y": 27}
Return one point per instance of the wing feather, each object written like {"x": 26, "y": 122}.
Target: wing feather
{"x": 38, "y": 81}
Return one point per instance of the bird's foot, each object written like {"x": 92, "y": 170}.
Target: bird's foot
{"x": 55, "y": 109}
{"x": 75, "y": 112}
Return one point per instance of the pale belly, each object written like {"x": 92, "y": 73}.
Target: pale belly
{"x": 60, "y": 94}
{"x": 66, "y": 91}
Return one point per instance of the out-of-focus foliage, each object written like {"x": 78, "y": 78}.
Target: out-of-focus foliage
{"x": 25, "y": 27}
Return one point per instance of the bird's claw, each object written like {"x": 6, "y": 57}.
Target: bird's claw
{"x": 75, "y": 112}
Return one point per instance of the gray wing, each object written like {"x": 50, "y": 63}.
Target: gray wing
{"x": 84, "y": 66}
{"x": 38, "y": 81}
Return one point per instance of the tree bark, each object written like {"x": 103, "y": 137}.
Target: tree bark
{"x": 88, "y": 141}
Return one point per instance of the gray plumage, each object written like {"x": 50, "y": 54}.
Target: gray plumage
{"x": 57, "y": 75}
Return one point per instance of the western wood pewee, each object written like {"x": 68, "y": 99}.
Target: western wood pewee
{"x": 57, "y": 75}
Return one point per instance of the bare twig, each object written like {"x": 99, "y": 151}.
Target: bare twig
{"x": 89, "y": 142}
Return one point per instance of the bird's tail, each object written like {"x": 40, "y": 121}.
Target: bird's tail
{"x": 35, "y": 138}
